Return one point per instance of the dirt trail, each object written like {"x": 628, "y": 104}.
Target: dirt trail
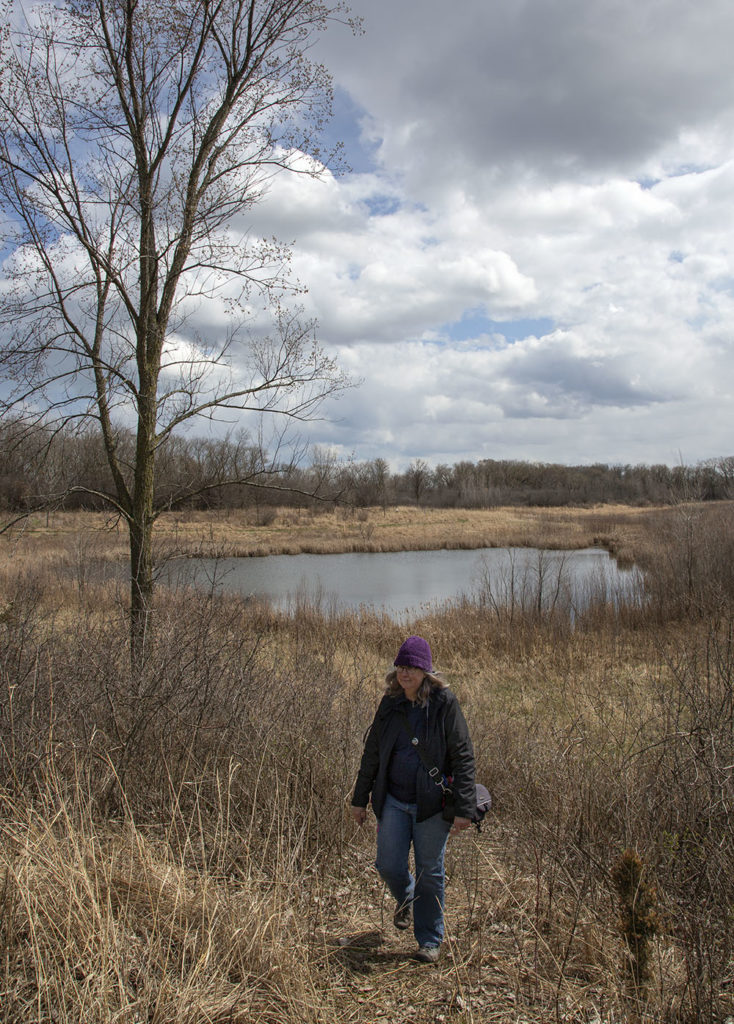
{"x": 483, "y": 974}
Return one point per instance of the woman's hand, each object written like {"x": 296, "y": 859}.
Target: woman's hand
{"x": 458, "y": 826}
{"x": 360, "y": 815}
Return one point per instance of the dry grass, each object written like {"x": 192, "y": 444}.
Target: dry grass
{"x": 236, "y": 533}
{"x": 177, "y": 847}
{"x": 102, "y": 922}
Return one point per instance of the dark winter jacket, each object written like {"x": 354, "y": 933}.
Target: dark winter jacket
{"x": 446, "y": 743}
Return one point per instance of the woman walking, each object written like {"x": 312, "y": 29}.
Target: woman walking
{"x": 407, "y": 801}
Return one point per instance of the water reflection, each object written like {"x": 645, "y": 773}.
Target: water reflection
{"x": 403, "y": 583}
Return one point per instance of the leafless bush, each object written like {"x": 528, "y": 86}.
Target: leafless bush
{"x": 533, "y": 591}
{"x": 26, "y": 687}
{"x": 691, "y": 569}
{"x": 228, "y": 688}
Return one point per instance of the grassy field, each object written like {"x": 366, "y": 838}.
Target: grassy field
{"x": 244, "y": 533}
{"x": 176, "y": 846}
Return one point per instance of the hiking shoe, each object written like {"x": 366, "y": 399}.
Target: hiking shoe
{"x": 402, "y": 916}
{"x": 428, "y": 954}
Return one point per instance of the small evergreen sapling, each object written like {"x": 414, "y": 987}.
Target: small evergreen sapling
{"x": 638, "y": 920}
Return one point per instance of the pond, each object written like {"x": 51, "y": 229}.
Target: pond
{"x": 402, "y": 583}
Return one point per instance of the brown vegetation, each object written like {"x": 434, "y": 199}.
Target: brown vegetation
{"x": 329, "y": 530}
{"x": 175, "y": 845}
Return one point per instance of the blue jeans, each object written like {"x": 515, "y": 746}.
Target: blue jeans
{"x": 396, "y": 830}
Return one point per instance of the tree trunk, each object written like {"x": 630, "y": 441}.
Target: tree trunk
{"x": 141, "y": 528}
{"x": 141, "y": 589}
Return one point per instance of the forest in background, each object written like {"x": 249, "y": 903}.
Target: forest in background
{"x": 70, "y": 470}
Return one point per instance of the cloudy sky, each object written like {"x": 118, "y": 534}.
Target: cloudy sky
{"x": 532, "y": 256}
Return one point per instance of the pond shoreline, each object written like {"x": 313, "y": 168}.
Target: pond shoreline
{"x": 627, "y": 533}
{"x": 615, "y": 529}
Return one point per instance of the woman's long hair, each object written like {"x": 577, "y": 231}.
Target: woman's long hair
{"x": 431, "y": 681}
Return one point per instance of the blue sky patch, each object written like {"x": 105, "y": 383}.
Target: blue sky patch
{"x": 648, "y": 183}
{"x": 382, "y": 205}
{"x": 345, "y": 127}
{"x": 475, "y": 323}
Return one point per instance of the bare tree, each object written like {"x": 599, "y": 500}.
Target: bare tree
{"x": 418, "y": 478}
{"x": 134, "y": 138}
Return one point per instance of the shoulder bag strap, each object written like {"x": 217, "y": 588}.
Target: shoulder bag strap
{"x": 432, "y": 770}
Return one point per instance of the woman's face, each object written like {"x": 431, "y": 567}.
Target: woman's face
{"x": 410, "y": 679}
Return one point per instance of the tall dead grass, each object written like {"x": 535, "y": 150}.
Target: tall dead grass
{"x": 108, "y": 921}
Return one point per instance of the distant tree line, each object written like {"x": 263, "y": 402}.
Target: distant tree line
{"x": 494, "y": 482}
{"x": 66, "y": 469}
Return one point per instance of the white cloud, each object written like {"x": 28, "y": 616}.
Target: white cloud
{"x": 539, "y": 261}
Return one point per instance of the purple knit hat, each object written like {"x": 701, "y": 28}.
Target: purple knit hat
{"x": 415, "y": 652}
